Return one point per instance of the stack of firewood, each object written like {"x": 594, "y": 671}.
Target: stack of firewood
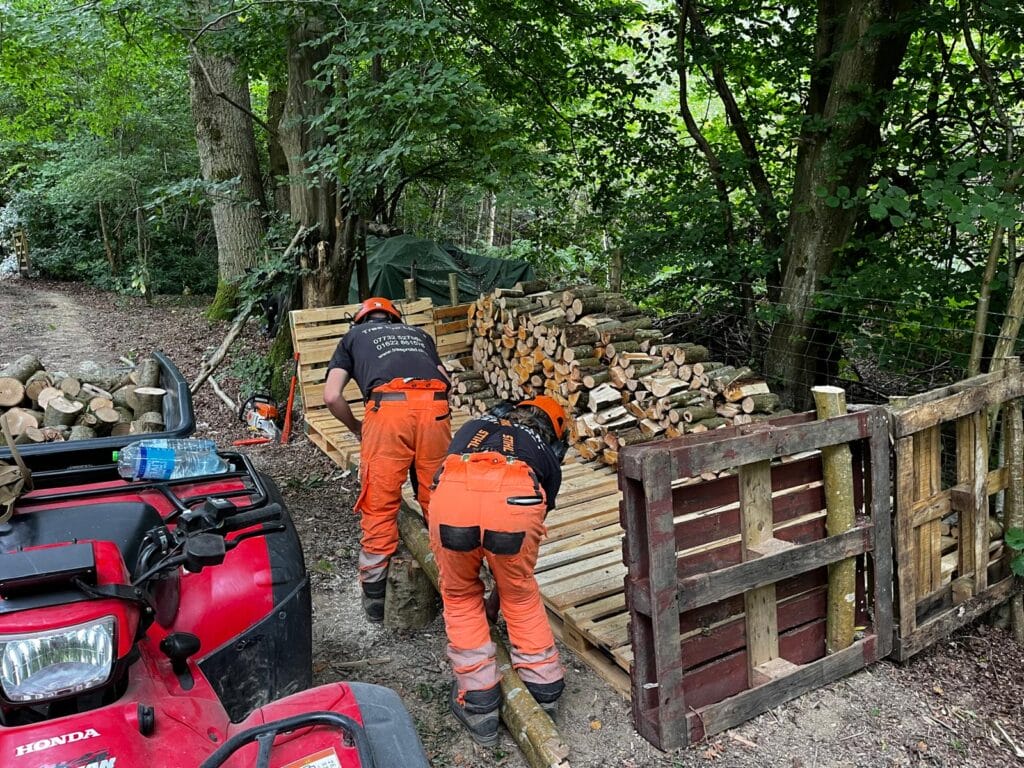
{"x": 597, "y": 354}
{"x": 39, "y": 406}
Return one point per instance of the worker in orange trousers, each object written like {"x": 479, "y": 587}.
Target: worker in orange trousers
{"x": 406, "y": 426}
{"x": 492, "y": 494}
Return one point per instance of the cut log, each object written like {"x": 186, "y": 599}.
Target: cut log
{"x": 30, "y": 436}
{"x": 120, "y": 429}
{"x": 98, "y": 403}
{"x": 17, "y": 420}
{"x": 767, "y": 402}
{"x": 148, "y": 399}
{"x": 46, "y": 395}
{"x": 82, "y": 433}
{"x": 147, "y": 373}
{"x": 106, "y": 419}
{"x": 12, "y": 392}
{"x": 741, "y": 388}
{"x": 70, "y": 386}
{"x": 86, "y": 420}
{"x": 411, "y": 601}
{"x": 154, "y": 420}
{"x": 89, "y": 391}
{"x": 100, "y": 375}
{"x": 21, "y": 368}
{"x": 61, "y": 412}
{"x": 603, "y": 397}
{"x": 125, "y": 397}
{"x": 36, "y": 383}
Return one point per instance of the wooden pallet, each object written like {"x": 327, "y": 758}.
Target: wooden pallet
{"x": 942, "y": 585}
{"x": 315, "y": 336}
{"x": 727, "y": 589}
{"x": 20, "y": 240}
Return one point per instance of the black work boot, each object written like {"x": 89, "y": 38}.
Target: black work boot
{"x": 546, "y": 694}
{"x": 479, "y": 713}
{"x": 373, "y": 600}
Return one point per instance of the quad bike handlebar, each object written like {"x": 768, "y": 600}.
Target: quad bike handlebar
{"x": 199, "y": 538}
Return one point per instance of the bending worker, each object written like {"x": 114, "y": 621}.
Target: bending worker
{"x": 407, "y": 425}
{"x": 489, "y": 503}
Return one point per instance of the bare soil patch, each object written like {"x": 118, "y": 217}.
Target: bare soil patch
{"x": 939, "y": 710}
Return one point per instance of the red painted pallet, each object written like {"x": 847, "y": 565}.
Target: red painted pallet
{"x": 727, "y": 586}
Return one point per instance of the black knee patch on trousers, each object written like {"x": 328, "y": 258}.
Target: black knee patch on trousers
{"x": 503, "y": 543}
{"x": 545, "y": 693}
{"x": 460, "y": 538}
{"x": 375, "y": 589}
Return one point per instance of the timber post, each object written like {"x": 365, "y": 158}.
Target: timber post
{"x": 837, "y": 467}
{"x": 453, "y": 287}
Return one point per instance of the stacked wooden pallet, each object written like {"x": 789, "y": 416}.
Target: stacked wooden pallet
{"x": 598, "y": 354}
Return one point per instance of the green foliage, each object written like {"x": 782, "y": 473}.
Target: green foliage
{"x": 1014, "y": 539}
{"x": 253, "y": 371}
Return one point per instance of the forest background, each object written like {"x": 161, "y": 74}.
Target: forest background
{"x": 827, "y": 191}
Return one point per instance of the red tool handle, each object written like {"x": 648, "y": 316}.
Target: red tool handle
{"x": 286, "y": 431}
{"x": 252, "y": 441}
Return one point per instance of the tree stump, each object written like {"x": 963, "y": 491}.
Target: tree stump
{"x": 411, "y": 601}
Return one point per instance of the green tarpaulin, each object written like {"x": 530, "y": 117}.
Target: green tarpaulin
{"x": 390, "y": 261}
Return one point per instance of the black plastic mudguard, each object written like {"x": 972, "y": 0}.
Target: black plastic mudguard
{"x": 273, "y": 658}
{"x": 392, "y": 735}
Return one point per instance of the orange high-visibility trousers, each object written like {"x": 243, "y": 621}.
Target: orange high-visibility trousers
{"x": 408, "y": 426}
{"x": 489, "y": 507}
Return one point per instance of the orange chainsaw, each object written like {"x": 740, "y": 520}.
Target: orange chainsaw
{"x": 260, "y": 414}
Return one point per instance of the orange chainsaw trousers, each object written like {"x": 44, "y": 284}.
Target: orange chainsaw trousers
{"x": 487, "y": 506}
{"x": 407, "y": 425}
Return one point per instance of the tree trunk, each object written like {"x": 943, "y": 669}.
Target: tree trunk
{"x": 219, "y": 91}
{"x": 275, "y": 152}
{"x": 314, "y": 197}
{"x": 866, "y": 40}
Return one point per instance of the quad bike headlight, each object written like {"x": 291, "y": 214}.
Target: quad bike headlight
{"x": 55, "y": 663}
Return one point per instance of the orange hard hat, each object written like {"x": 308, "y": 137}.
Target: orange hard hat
{"x": 554, "y": 411}
{"x": 376, "y": 304}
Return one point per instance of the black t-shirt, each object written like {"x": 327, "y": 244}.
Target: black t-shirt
{"x": 374, "y": 353}
{"x": 526, "y": 445}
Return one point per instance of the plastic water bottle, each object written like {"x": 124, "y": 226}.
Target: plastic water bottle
{"x": 162, "y": 459}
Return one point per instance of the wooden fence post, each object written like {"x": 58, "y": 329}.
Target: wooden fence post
{"x": 837, "y": 464}
{"x": 453, "y": 287}
{"x": 410, "y": 289}
{"x": 1013, "y": 509}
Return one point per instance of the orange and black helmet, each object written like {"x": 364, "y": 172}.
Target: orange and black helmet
{"x": 554, "y": 411}
{"x": 377, "y": 304}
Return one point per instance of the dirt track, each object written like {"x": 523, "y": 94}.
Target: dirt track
{"x": 937, "y": 711}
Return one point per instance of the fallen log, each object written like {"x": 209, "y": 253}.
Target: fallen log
{"x": 530, "y": 726}
{"x": 22, "y": 368}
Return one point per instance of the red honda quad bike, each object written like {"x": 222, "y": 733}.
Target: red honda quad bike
{"x": 168, "y": 624}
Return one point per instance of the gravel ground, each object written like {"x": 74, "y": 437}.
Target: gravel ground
{"x": 945, "y": 708}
